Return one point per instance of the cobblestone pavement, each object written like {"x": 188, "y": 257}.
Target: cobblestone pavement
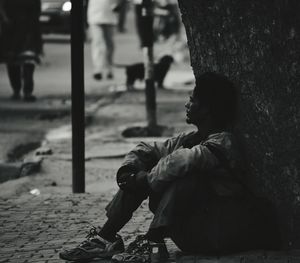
{"x": 36, "y": 228}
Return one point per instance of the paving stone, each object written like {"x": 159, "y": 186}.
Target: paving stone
{"x": 278, "y": 260}
{"x": 253, "y": 259}
{"x": 34, "y": 231}
{"x": 16, "y": 260}
{"x": 200, "y": 259}
{"x": 231, "y": 259}
{"x": 186, "y": 259}
{"x": 294, "y": 253}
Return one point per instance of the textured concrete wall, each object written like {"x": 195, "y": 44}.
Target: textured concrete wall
{"x": 256, "y": 43}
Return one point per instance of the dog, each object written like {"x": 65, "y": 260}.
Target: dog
{"x": 137, "y": 72}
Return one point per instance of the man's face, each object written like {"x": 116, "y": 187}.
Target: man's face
{"x": 195, "y": 111}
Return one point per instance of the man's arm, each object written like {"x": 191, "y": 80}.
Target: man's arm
{"x": 145, "y": 156}
{"x": 180, "y": 163}
{"x": 196, "y": 160}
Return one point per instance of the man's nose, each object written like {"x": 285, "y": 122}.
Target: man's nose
{"x": 187, "y": 104}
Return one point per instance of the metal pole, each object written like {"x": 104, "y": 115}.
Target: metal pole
{"x": 78, "y": 116}
{"x": 150, "y": 92}
{"x": 147, "y": 44}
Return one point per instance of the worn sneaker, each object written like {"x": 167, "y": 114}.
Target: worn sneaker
{"x": 94, "y": 247}
{"x": 29, "y": 98}
{"x": 15, "y": 96}
{"x": 142, "y": 251}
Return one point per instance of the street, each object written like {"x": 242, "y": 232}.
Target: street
{"x": 39, "y": 213}
{"x": 42, "y": 130}
{"x": 26, "y": 126}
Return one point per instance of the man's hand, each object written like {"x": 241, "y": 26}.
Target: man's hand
{"x": 126, "y": 181}
{"x": 132, "y": 182}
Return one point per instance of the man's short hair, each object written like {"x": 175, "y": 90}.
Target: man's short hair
{"x": 220, "y": 95}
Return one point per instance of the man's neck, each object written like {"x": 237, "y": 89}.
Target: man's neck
{"x": 206, "y": 129}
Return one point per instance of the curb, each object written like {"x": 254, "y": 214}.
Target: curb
{"x": 43, "y": 109}
{"x": 9, "y": 171}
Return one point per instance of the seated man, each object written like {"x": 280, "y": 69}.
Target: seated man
{"x": 194, "y": 184}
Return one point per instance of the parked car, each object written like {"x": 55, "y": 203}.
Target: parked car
{"x": 56, "y": 16}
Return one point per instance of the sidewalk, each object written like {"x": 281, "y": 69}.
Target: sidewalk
{"x": 35, "y": 227}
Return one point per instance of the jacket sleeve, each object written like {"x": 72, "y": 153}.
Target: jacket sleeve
{"x": 180, "y": 163}
{"x": 145, "y": 155}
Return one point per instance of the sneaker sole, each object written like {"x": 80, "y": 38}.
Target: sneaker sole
{"x": 95, "y": 257}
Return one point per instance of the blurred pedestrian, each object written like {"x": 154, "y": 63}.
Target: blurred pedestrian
{"x": 138, "y": 23}
{"x": 22, "y": 44}
{"x": 3, "y": 21}
{"x": 196, "y": 186}
{"x": 167, "y": 20}
{"x": 102, "y": 19}
{"x": 122, "y": 14}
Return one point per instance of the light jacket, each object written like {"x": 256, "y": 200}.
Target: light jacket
{"x": 101, "y": 12}
{"x": 187, "y": 155}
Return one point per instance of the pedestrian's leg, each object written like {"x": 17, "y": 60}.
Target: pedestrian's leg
{"x": 97, "y": 46}
{"x": 138, "y": 22}
{"x": 119, "y": 212}
{"x": 28, "y": 71}
{"x": 108, "y": 33}
{"x": 14, "y": 75}
{"x": 122, "y": 16}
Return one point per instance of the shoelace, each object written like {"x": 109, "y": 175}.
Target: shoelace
{"x": 92, "y": 232}
{"x": 139, "y": 246}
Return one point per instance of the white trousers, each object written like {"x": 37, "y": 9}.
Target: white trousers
{"x": 102, "y": 47}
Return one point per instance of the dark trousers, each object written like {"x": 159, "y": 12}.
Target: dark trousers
{"x": 122, "y": 15}
{"x": 174, "y": 210}
{"x": 138, "y": 21}
{"x": 21, "y": 75}
{"x": 198, "y": 221}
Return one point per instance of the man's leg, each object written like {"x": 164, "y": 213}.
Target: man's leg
{"x": 198, "y": 221}
{"x": 119, "y": 212}
{"x": 183, "y": 198}
{"x": 172, "y": 203}
{"x": 138, "y": 22}
{"x": 14, "y": 75}
{"x": 105, "y": 243}
{"x": 108, "y": 36}
{"x": 97, "y": 50}
{"x": 28, "y": 71}
{"x": 122, "y": 16}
